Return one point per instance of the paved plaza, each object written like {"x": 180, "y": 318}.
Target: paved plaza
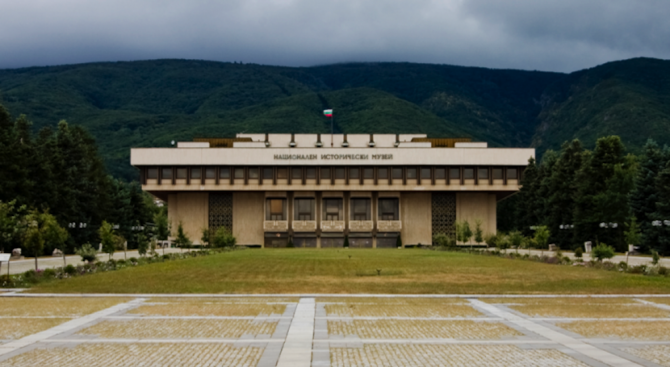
{"x": 342, "y": 331}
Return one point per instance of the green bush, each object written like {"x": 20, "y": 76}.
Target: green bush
{"x": 579, "y": 253}
{"x": 662, "y": 270}
{"x": 49, "y": 273}
{"x": 602, "y": 251}
{"x": 223, "y": 238}
{"x": 87, "y": 253}
{"x": 655, "y": 258}
{"x": 70, "y": 270}
{"x": 623, "y": 266}
{"x": 442, "y": 239}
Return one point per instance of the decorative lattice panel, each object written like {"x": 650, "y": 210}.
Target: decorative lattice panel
{"x": 220, "y": 211}
{"x": 444, "y": 213}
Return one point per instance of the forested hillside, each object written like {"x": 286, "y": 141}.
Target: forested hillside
{"x": 150, "y": 103}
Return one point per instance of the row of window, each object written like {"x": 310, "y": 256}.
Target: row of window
{"x": 329, "y": 173}
{"x": 332, "y": 209}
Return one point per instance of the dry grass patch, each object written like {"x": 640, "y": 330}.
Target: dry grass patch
{"x": 399, "y": 355}
{"x": 636, "y": 330}
{"x": 53, "y": 306}
{"x": 179, "y": 329}
{"x": 398, "y": 307}
{"x": 213, "y": 307}
{"x": 421, "y": 329}
{"x": 581, "y": 307}
{"x": 132, "y": 355}
{"x": 659, "y": 354}
{"x": 18, "y": 328}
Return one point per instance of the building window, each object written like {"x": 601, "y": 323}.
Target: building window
{"x": 497, "y": 173}
{"x": 325, "y": 173}
{"x": 397, "y": 173}
{"x": 454, "y": 173}
{"x": 224, "y": 172}
{"x": 310, "y": 173}
{"x": 166, "y": 173}
{"x": 210, "y": 173}
{"x": 268, "y": 173}
{"x": 332, "y": 209}
{"x": 388, "y": 209}
{"x": 468, "y": 173}
{"x": 296, "y": 173}
{"x": 282, "y": 173}
{"x": 253, "y": 173}
{"x": 339, "y": 173}
{"x": 368, "y": 173}
{"x": 196, "y": 173}
{"x": 411, "y": 172}
{"x": 353, "y": 173}
{"x": 360, "y": 209}
{"x": 181, "y": 173}
{"x": 425, "y": 173}
{"x": 483, "y": 173}
{"x": 276, "y": 209}
{"x": 304, "y": 209}
{"x": 512, "y": 173}
{"x": 239, "y": 173}
{"x": 440, "y": 173}
{"x": 382, "y": 173}
{"x": 152, "y": 173}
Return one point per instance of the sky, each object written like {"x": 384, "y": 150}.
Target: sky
{"x": 549, "y": 35}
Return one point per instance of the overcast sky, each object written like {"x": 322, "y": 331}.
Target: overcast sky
{"x": 554, "y": 35}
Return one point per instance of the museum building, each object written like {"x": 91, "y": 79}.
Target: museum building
{"x": 316, "y": 189}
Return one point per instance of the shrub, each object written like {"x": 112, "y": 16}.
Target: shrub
{"x": 166, "y": 257}
{"x": 579, "y": 253}
{"x": 608, "y": 265}
{"x": 121, "y": 262}
{"x": 662, "y": 270}
{"x": 441, "y": 239}
{"x": 133, "y": 260}
{"x": 491, "y": 240}
{"x": 49, "y": 273}
{"x": 223, "y": 238}
{"x": 552, "y": 260}
{"x": 87, "y": 253}
{"x": 639, "y": 269}
{"x": 654, "y": 257}
{"x": 623, "y": 266}
{"x": 602, "y": 251}
{"x": 566, "y": 260}
{"x": 70, "y": 270}
{"x": 651, "y": 271}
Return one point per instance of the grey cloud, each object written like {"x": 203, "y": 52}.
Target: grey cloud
{"x": 525, "y": 34}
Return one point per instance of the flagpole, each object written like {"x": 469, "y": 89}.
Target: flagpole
{"x": 331, "y": 131}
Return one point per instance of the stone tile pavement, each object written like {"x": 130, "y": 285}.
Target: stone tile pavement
{"x": 346, "y": 331}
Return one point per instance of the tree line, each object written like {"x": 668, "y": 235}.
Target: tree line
{"x": 602, "y": 195}
{"x": 56, "y": 179}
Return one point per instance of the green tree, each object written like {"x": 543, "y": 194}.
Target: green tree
{"x": 223, "y": 238}
{"x": 11, "y": 224}
{"x": 34, "y": 242}
{"x": 479, "y": 234}
{"x": 662, "y": 212}
{"x": 515, "y": 239}
{"x": 142, "y": 244}
{"x": 542, "y": 235}
{"x": 633, "y": 236}
{"x": 205, "y": 237}
{"x": 42, "y": 227}
{"x": 528, "y": 198}
{"x": 602, "y": 251}
{"x": 162, "y": 225}
{"x": 562, "y": 186}
{"x": 467, "y": 232}
{"x": 182, "y": 239}
{"x": 107, "y": 238}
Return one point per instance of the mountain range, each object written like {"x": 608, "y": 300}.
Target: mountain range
{"x": 151, "y": 103}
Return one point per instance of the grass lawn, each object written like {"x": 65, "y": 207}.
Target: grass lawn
{"x": 408, "y": 271}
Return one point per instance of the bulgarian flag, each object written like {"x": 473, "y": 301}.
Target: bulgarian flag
{"x": 328, "y": 113}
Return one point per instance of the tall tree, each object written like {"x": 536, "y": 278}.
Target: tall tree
{"x": 562, "y": 188}
{"x": 528, "y": 198}
{"x": 662, "y": 212}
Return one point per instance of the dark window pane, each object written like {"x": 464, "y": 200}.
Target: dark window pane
{"x": 382, "y": 173}
{"x": 224, "y": 172}
{"x": 210, "y": 173}
{"x": 196, "y": 173}
{"x": 239, "y": 173}
{"x": 497, "y": 173}
{"x": 360, "y": 209}
{"x": 411, "y": 172}
{"x": 268, "y": 173}
{"x": 353, "y": 173}
{"x": 397, "y": 173}
{"x": 310, "y": 173}
{"x": 468, "y": 173}
{"x": 253, "y": 173}
{"x": 181, "y": 173}
{"x": 282, "y": 173}
{"x": 304, "y": 209}
{"x": 339, "y": 173}
{"x": 512, "y": 173}
{"x": 388, "y": 209}
{"x": 296, "y": 173}
{"x": 167, "y": 173}
{"x": 368, "y": 173}
{"x": 455, "y": 173}
{"x": 483, "y": 173}
{"x": 440, "y": 173}
{"x": 152, "y": 173}
{"x": 325, "y": 173}
{"x": 332, "y": 209}
{"x": 425, "y": 173}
